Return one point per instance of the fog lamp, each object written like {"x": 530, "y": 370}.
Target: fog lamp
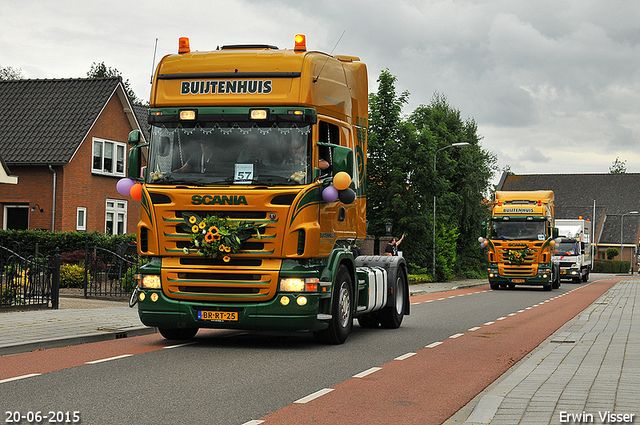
{"x": 141, "y": 296}
{"x": 302, "y": 301}
{"x": 154, "y": 297}
{"x": 284, "y": 300}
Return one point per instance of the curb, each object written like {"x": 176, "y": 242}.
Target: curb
{"x": 66, "y": 341}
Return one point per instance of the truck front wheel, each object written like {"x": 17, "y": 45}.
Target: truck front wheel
{"x": 341, "y": 311}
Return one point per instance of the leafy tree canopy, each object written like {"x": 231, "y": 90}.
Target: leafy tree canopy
{"x": 403, "y": 179}
{"x": 618, "y": 167}
{"x": 9, "y": 73}
{"x": 100, "y": 70}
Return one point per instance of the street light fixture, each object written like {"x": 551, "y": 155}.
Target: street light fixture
{"x": 460, "y": 144}
{"x": 621, "y": 230}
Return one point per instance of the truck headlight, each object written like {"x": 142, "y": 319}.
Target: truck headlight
{"x": 297, "y": 284}
{"x": 151, "y": 281}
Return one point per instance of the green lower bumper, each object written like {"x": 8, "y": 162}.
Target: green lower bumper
{"x": 269, "y": 315}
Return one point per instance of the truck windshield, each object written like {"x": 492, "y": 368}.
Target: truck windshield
{"x": 230, "y": 153}
{"x": 518, "y": 230}
{"x": 567, "y": 248}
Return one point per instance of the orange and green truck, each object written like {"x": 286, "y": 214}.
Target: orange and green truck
{"x": 253, "y": 186}
{"x": 521, "y": 238}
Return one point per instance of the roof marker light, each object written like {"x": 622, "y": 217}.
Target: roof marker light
{"x": 300, "y": 43}
{"x": 183, "y": 45}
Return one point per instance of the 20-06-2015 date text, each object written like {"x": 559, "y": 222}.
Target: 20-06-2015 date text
{"x": 38, "y": 417}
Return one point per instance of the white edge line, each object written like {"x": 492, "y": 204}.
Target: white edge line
{"x": 405, "y": 356}
{"x": 474, "y": 329}
{"x": 16, "y": 378}
{"x": 455, "y": 336}
{"x": 180, "y": 345}
{"x": 253, "y": 422}
{"x": 313, "y": 396}
{"x": 489, "y": 323}
{"x": 110, "y": 358}
{"x": 432, "y": 345}
{"x": 367, "y": 372}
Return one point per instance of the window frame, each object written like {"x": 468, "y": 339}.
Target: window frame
{"x": 116, "y": 150}
{"x": 81, "y": 227}
{"x": 118, "y": 209}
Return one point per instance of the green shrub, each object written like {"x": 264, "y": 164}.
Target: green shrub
{"x": 611, "y": 266}
{"x": 612, "y": 253}
{"x": 129, "y": 279}
{"x": 71, "y": 276}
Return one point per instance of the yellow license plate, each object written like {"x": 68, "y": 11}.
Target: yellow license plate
{"x": 517, "y": 280}
{"x": 218, "y": 316}
{"x": 563, "y": 272}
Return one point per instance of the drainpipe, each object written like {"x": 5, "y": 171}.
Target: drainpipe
{"x": 53, "y": 204}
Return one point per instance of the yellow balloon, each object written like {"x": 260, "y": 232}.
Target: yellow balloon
{"x": 341, "y": 180}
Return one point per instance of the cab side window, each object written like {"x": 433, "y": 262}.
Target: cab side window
{"x": 328, "y": 133}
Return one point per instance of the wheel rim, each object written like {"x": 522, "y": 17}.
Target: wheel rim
{"x": 399, "y": 296}
{"x": 344, "y": 306}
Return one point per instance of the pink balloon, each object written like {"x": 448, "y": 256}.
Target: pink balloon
{"x": 330, "y": 194}
{"x": 124, "y": 186}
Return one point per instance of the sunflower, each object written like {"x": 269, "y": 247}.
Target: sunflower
{"x": 216, "y": 237}
{"x": 226, "y": 258}
{"x": 208, "y": 237}
{"x": 214, "y": 230}
{"x": 195, "y": 229}
{"x": 202, "y": 225}
{"x": 227, "y": 249}
{"x": 193, "y": 219}
{"x": 222, "y": 248}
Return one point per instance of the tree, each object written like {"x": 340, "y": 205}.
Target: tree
{"x": 9, "y": 73}
{"x": 612, "y": 253}
{"x": 401, "y": 183}
{"x": 100, "y": 70}
{"x": 384, "y": 179}
{"x": 618, "y": 167}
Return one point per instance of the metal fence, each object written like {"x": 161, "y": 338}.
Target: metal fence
{"x": 108, "y": 273}
{"x": 31, "y": 281}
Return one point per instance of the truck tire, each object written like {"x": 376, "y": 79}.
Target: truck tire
{"x": 585, "y": 276}
{"x": 391, "y": 316}
{"x": 178, "y": 333}
{"x": 341, "y": 311}
{"x": 555, "y": 284}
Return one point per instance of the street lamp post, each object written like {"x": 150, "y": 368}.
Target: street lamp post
{"x": 434, "y": 200}
{"x": 621, "y": 233}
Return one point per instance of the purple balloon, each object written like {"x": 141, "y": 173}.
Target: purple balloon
{"x": 330, "y": 194}
{"x": 124, "y": 186}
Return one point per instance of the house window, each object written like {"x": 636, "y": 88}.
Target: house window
{"x": 108, "y": 157}
{"x": 81, "y": 218}
{"x": 16, "y": 217}
{"x": 116, "y": 217}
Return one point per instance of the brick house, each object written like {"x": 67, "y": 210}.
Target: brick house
{"x": 64, "y": 141}
{"x": 610, "y": 201}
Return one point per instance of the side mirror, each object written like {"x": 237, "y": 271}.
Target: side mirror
{"x": 555, "y": 232}
{"x": 135, "y": 163}
{"x": 342, "y": 160}
{"x": 134, "y": 138}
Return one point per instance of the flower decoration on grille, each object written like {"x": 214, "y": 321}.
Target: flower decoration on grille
{"x": 517, "y": 256}
{"x": 216, "y": 237}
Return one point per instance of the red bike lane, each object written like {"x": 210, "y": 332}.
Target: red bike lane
{"x": 431, "y": 385}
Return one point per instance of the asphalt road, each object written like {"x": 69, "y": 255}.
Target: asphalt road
{"x": 227, "y": 377}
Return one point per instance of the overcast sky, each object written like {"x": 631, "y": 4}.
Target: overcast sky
{"x": 554, "y": 85}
